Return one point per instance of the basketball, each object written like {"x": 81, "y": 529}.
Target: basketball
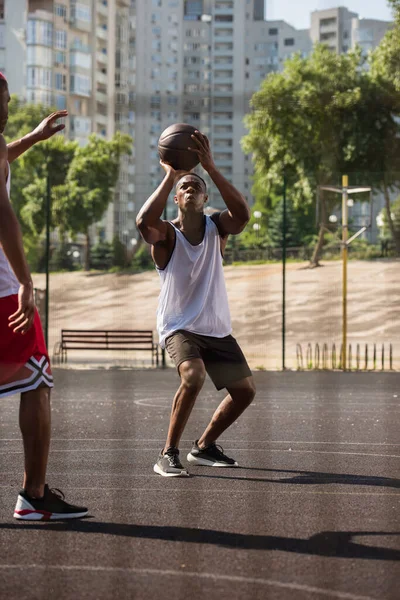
{"x": 173, "y": 147}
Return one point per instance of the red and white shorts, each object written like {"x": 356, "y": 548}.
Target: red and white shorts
{"x": 24, "y": 361}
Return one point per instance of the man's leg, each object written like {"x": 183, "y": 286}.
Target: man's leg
{"x": 34, "y": 421}
{"x": 240, "y": 395}
{"x": 192, "y": 373}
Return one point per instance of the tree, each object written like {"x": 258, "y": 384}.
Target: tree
{"x": 385, "y": 74}
{"x": 89, "y": 186}
{"x": 309, "y": 123}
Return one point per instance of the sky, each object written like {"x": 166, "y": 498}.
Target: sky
{"x": 297, "y": 12}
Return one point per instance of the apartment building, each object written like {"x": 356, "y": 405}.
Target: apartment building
{"x": 191, "y": 67}
{"x": 74, "y": 55}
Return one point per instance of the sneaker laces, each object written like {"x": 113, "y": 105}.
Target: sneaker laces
{"x": 172, "y": 454}
{"x": 56, "y": 492}
{"x": 217, "y": 450}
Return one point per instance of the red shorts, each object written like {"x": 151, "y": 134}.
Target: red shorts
{"x": 24, "y": 361}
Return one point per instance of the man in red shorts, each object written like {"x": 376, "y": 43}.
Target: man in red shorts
{"x": 24, "y": 362}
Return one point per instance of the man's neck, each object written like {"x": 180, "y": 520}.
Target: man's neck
{"x": 191, "y": 222}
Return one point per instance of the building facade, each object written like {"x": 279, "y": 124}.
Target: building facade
{"x": 140, "y": 65}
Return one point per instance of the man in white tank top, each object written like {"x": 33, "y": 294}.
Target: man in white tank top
{"x": 24, "y": 362}
{"x": 193, "y": 319}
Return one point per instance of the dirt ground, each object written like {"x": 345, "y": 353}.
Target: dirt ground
{"x": 313, "y": 308}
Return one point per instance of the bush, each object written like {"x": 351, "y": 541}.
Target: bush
{"x": 119, "y": 253}
{"x": 101, "y": 256}
{"x": 61, "y": 259}
{"x": 142, "y": 261}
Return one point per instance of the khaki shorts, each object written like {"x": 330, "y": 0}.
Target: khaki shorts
{"x": 223, "y": 359}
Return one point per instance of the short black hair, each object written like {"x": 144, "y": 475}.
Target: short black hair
{"x": 196, "y": 175}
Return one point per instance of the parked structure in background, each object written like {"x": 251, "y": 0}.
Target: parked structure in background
{"x": 139, "y": 66}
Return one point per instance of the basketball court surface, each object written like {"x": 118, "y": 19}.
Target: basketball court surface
{"x": 313, "y": 512}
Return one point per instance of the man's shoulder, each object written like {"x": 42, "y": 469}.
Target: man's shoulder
{"x": 215, "y": 218}
{"x": 3, "y": 148}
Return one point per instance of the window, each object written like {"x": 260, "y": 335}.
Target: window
{"x": 223, "y": 18}
{"x": 81, "y": 59}
{"x": 60, "y": 58}
{"x": 39, "y": 77}
{"x": 156, "y": 31}
{"x": 1, "y": 9}
{"x": 156, "y": 45}
{"x": 172, "y": 100}
{"x": 81, "y": 12}
{"x": 264, "y": 47}
{"x": 39, "y": 56}
{"x": 60, "y": 39}
{"x": 39, "y": 32}
{"x": 60, "y": 82}
{"x": 80, "y": 85}
{"x": 156, "y": 58}
{"x": 327, "y": 36}
{"x": 61, "y": 102}
{"x": 327, "y": 22}
{"x": 60, "y": 10}
{"x": 156, "y": 3}
{"x": 193, "y": 8}
{"x": 273, "y": 31}
{"x": 289, "y": 42}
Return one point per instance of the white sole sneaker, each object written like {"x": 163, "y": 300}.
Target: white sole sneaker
{"x": 24, "y": 511}
{"x": 207, "y": 463}
{"x": 157, "y": 469}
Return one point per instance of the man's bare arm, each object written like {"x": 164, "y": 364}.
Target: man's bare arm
{"x": 235, "y": 219}
{"x": 47, "y": 128}
{"x": 152, "y": 228}
{"x": 11, "y": 242}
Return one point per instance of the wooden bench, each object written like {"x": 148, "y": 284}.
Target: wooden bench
{"x": 101, "y": 339}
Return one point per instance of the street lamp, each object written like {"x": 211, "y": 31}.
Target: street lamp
{"x": 333, "y": 219}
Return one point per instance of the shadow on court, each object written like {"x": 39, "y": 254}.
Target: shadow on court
{"x": 313, "y": 511}
{"x": 326, "y": 543}
{"x": 311, "y": 478}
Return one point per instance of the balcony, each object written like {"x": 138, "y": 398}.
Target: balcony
{"x": 223, "y": 11}
{"x": 102, "y": 58}
{"x": 101, "y": 97}
{"x": 102, "y": 9}
{"x": 102, "y": 33}
{"x": 101, "y": 78}
{"x": 101, "y": 119}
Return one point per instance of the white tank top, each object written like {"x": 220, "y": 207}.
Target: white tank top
{"x": 8, "y": 282}
{"x": 193, "y": 294}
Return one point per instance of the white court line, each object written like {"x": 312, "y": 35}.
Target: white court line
{"x": 193, "y": 575}
{"x": 190, "y": 441}
{"x": 282, "y": 450}
{"x": 220, "y": 491}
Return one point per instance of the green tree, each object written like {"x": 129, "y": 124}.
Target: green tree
{"x": 385, "y": 74}
{"x": 89, "y": 186}
{"x": 309, "y": 123}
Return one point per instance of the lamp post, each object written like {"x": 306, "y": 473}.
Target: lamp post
{"x": 345, "y": 190}
{"x": 47, "y": 251}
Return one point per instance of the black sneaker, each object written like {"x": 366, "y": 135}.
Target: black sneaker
{"x": 52, "y": 506}
{"x": 212, "y": 456}
{"x": 169, "y": 465}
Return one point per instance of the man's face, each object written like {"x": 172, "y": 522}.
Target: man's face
{"x": 190, "y": 194}
{"x": 4, "y": 100}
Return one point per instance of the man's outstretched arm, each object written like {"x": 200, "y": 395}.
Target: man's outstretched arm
{"x": 11, "y": 242}
{"x": 47, "y": 128}
{"x": 235, "y": 219}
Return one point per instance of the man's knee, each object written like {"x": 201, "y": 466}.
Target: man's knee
{"x": 244, "y": 391}
{"x": 192, "y": 374}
